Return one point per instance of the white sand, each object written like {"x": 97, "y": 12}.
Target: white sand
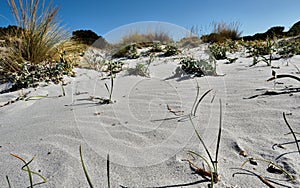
{"x": 144, "y": 151}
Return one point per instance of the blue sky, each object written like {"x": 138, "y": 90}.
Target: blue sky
{"x": 103, "y": 16}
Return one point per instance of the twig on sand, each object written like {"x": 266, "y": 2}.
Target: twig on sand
{"x": 275, "y": 76}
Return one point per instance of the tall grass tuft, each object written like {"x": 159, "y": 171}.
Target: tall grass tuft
{"x": 136, "y": 37}
{"x": 38, "y": 32}
{"x": 223, "y": 31}
{"x": 211, "y": 163}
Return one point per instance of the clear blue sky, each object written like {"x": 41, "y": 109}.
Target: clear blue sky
{"x": 103, "y": 16}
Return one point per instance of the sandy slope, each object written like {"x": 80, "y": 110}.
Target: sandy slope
{"x": 145, "y": 150}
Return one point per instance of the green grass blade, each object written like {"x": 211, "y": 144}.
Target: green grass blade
{"x": 293, "y": 133}
{"x": 63, "y": 90}
{"x": 35, "y": 173}
{"x": 29, "y": 172}
{"x": 9, "y": 185}
{"x": 197, "y": 95}
{"x": 219, "y": 136}
{"x": 202, "y": 142}
{"x": 27, "y": 167}
{"x": 108, "y": 176}
{"x": 111, "y": 85}
{"x": 107, "y": 88}
{"x": 196, "y": 107}
{"x": 84, "y": 169}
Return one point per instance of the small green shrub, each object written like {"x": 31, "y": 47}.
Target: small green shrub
{"x": 156, "y": 48}
{"x": 29, "y": 75}
{"x": 171, "y": 50}
{"x": 218, "y": 50}
{"x": 197, "y": 67}
{"x": 288, "y": 48}
{"x": 129, "y": 51}
{"x": 139, "y": 70}
{"x": 263, "y": 49}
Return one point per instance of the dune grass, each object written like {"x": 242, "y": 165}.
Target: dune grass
{"x": 40, "y": 30}
{"x": 223, "y": 31}
{"x": 154, "y": 36}
{"x": 30, "y": 172}
{"x": 33, "y": 44}
{"x": 86, "y": 173}
{"x": 211, "y": 163}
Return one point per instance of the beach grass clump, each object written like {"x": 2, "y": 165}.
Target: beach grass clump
{"x": 211, "y": 163}
{"x": 32, "y": 45}
{"x": 136, "y": 37}
{"x": 40, "y": 30}
{"x": 223, "y": 31}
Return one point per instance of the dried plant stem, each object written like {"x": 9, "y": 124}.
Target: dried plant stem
{"x": 284, "y": 76}
{"x": 198, "y": 169}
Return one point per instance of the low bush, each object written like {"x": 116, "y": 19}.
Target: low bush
{"x": 218, "y": 50}
{"x": 197, "y": 67}
{"x": 171, "y": 50}
{"x": 129, "y": 51}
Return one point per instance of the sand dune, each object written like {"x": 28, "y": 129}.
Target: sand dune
{"x": 147, "y": 143}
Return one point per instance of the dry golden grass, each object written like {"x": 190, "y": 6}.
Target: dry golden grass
{"x": 39, "y": 31}
{"x": 223, "y": 31}
{"x": 149, "y": 37}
